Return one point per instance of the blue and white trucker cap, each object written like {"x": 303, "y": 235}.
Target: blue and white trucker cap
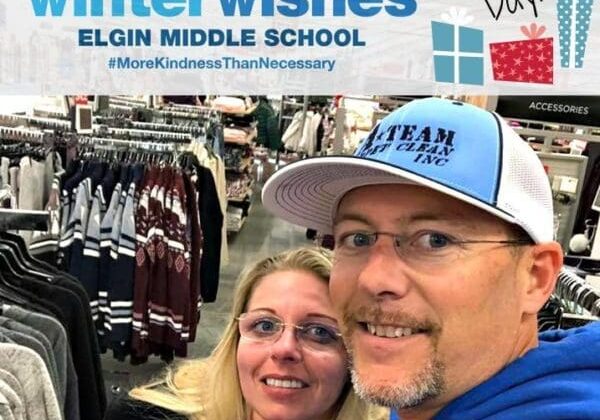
{"x": 451, "y": 147}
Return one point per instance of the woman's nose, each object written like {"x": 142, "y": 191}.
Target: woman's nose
{"x": 286, "y": 348}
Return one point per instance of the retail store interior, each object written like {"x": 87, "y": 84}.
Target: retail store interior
{"x": 88, "y": 182}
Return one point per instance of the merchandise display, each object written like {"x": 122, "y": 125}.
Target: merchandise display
{"x": 240, "y": 133}
{"x": 122, "y": 235}
{"x": 138, "y": 220}
{"x": 299, "y": 210}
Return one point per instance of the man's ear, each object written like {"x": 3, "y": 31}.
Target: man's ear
{"x": 543, "y": 263}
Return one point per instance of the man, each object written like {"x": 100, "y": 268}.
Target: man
{"x": 444, "y": 254}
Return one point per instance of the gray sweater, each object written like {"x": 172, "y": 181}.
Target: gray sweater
{"x": 57, "y": 337}
{"x": 15, "y": 401}
{"x": 31, "y": 372}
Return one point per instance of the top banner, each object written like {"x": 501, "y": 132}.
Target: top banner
{"x": 411, "y": 47}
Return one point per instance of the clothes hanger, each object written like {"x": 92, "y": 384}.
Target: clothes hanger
{"x": 45, "y": 269}
{"x": 16, "y": 263}
{"x": 9, "y": 295}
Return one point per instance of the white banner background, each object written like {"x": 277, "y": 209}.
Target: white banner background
{"x": 41, "y": 55}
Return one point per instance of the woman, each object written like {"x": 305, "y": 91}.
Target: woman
{"x": 281, "y": 356}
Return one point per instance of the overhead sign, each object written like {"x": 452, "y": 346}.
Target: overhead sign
{"x": 578, "y": 110}
{"x": 411, "y": 47}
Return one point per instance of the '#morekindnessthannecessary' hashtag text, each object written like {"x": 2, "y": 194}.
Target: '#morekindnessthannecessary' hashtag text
{"x": 223, "y": 63}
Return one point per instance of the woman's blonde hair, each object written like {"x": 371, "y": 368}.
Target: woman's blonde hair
{"x": 210, "y": 388}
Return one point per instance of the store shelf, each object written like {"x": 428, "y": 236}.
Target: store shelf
{"x": 236, "y": 217}
{"x": 292, "y": 104}
{"x": 246, "y": 112}
{"x": 556, "y": 134}
{"x": 241, "y": 199}
{"x": 246, "y": 165}
{"x": 235, "y": 228}
{"x": 247, "y": 142}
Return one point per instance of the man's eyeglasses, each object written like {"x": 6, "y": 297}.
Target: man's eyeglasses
{"x": 424, "y": 250}
{"x": 267, "y": 328}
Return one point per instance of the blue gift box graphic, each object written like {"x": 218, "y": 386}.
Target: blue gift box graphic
{"x": 574, "y": 18}
{"x": 457, "y": 53}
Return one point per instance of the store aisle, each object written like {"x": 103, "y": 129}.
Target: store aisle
{"x": 261, "y": 236}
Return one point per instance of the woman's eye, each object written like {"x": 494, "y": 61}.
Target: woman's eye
{"x": 433, "y": 240}
{"x": 320, "y": 333}
{"x": 265, "y": 326}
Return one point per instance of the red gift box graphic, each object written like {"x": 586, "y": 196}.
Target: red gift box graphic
{"x": 528, "y": 61}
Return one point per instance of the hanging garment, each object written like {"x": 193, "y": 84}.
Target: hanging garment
{"x": 45, "y": 245}
{"x": 122, "y": 268}
{"x": 35, "y": 340}
{"x": 11, "y": 403}
{"x": 217, "y": 169}
{"x": 308, "y": 142}
{"x": 31, "y": 187}
{"x": 48, "y": 291}
{"x": 268, "y": 134}
{"x": 57, "y": 337}
{"x": 29, "y": 369}
{"x": 293, "y": 134}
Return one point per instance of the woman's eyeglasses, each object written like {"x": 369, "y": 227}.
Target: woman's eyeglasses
{"x": 267, "y": 328}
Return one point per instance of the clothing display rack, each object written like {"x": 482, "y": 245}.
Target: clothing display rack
{"x": 127, "y": 101}
{"x": 287, "y": 110}
{"x": 577, "y": 294}
{"x": 48, "y": 337}
{"x": 24, "y": 220}
{"x": 157, "y": 154}
{"x": 199, "y": 111}
{"x": 40, "y": 122}
{"x": 239, "y": 135}
{"x": 307, "y": 133}
{"x": 144, "y": 134}
{"x": 565, "y": 173}
{"x": 20, "y": 134}
{"x": 165, "y": 127}
{"x": 148, "y": 145}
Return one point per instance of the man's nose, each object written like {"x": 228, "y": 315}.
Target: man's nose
{"x": 383, "y": 275}
{"x": 286, "y": 348}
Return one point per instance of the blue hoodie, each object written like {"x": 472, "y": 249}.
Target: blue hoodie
{"x": 560, "y": 379}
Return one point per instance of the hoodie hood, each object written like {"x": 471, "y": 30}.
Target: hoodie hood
{"x": 560, "y": 379}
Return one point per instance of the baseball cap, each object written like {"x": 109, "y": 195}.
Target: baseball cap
{"x": 455, "y": 148}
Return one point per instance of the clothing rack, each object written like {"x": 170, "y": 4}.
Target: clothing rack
{"x": 575, "y": 289}
{"x": 587, "y": 264}
{"x": 148, "y": 145}
{"x": 193, "y": 129}
{"x": 179, "y": 113}
{"x": 24, "y": 220}
{"x": 134, "y": 132}
{"x": 164, "y": 127}
{"x": 200, "y": 111}
{"x": 43, "y": 122}
{"x": 123, "y": 101}
{"x": 121, "y": 107}
{"x": 21, "y": 134}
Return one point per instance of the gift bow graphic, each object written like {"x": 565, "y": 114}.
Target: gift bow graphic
{"x": 534, "y": 31}
{"x": 456, "y": 16}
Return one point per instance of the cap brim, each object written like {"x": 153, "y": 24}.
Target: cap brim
{"x": 308, "y": 192}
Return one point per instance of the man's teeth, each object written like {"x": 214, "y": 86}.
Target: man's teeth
{"x": 284, "y": 383}
{"x": 389, "y": 331}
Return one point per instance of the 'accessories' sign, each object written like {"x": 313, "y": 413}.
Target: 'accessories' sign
{"x": 580, "y": 110}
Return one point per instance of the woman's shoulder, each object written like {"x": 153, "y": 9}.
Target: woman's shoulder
{"x": 126, "y": 408}
{"x": 378, "y": 413}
